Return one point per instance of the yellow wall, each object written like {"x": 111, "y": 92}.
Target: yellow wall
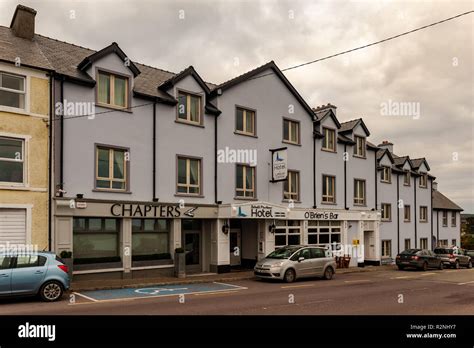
{"x": 36, "y": 193}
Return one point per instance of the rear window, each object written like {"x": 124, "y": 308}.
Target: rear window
{"x": 59, "y": 259}
{"x": 410, "y": 251}
{"x": 443, "y": 251}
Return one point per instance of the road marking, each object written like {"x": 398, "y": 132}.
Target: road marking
{"x": 357, "y": 281}
{"x": 222, "y": 292}
{"x": 403, "y": 277}
{"x": 419, "y": 289}
{"x": 235, "y": 286}
{"x": 86, "y": 297}
{"x": 425, "y": 274}
{"x": 466, "y": 283}
{"x": 296, "y": 286}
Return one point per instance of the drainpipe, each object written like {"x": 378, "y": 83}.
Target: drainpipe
{"x": 398, "y": 214}
{"x": 154, "y": 151}
{"x": 437, "y": 225}
{"x": 314, "y": 171}
{"x": 50, "y": 161}
{"x": 431, "y": 213}
{"x": 345, "y": 179}
{"x": 215, "y": 160}
{"x": 375, "y": 160}
{"x": 61, "y": 153}
{"x": 414, "y": 194}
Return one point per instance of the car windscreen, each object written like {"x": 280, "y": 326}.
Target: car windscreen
{"x": 443, "y": 251}
{"x": 410, "y": 251}
{"x": 282, "y": 253}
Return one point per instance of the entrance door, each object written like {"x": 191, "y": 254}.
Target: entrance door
{"x": 235, "y": 247}
{"x": 192, "y": 241}
{"x": 369, "y": 245}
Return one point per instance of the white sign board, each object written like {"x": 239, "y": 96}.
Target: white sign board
{"x": 279, "y": 164}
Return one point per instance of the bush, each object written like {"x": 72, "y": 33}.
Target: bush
{"x": 467, "y": 242}
{"x": 65, "y": 254}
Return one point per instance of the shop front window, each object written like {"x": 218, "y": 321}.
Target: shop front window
{"x": 150, "y": 239}
{"x": 287, "y": 233}
{"x": 96, "y": 240}
{"x": 324, "y": 232}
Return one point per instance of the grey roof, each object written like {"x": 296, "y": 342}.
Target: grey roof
{"x": 348, "y": 125}
{"x": 441, "y": 202}
{"x": 50, "y": 54}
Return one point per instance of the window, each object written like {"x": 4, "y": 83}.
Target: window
{"x": 329, "y": 140}
{"x": 112, "y": 90}
{"x": 329, "y": 189}
{"x": 291, "y": 131}
{"x": 423, "y": 214}
{"x": 291, "y": 187}
{"x": 443, "y": 243}
{"x": 245, "y": 181}
{"x": 445, "y": 218}
{"x": 407, "y": 178}
{"x": 359, "y": 192}
{"x": 359, "y": 150}
{"x": 189, "y": 176}
{"x": 5, "y": 262}
{"x": 111, "y": 169}
{"x": 189, "y": 107}
{"x": 317, "y": 253}
{"x": 150, "y": 239}
{"x": 453, "y": 242}
{"x": 12, "y": 154}
{"x": 407, "y": 244}
{"x": 12, "y": 90}
{"x": 26, "y": 261}
{"x": 287, "y": 232}
{"x": 245, "y": 121}
{"x": 423, "y": 243}
{"x": 406, "y": 213}
{"x": 453, "y": 219}
{"x": 386, "y": 212}
{"x": 324, "y": 232}
{"x": 386, "y": 174}
{"x": 386, "y": 248}
{"x": 424, "y": 181}
{"x": 96, "y": 240}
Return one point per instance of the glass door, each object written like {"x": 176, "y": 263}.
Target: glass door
{"x": 192, "y": 245}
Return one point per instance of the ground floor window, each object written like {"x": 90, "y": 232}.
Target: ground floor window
{"x": 453, "y": 242}
{"x": 443, "y": 243}
{"x": 407, "y": 244}
{"x": 96, "y": 240}
{"x": 386, "y": 248}
{"x": 324, "y": 232}
{"x": 287, "y": 232}
{"x": 424, "y": 243}
{"x": 150, "y": 239}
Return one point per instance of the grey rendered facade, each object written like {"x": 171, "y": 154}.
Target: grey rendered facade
{"x": 159, "y": 144}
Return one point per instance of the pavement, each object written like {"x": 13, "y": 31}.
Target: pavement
{"x": 87, "y": 285}
{"x": 378, "y": 290}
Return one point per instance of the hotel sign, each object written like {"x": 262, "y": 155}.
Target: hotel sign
{"x": 279, "y": 164}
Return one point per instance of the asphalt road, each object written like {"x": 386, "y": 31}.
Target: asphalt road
{"x": 375, "y": 292}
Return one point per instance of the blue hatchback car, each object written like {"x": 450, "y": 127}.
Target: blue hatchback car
{"x": 33, "y": 273}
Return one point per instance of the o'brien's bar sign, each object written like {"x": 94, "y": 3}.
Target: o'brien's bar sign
{"x": 311, "y": 215}
{"x": 147, "y": 210}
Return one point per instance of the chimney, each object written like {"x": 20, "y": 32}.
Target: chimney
{"x": 23, "y": 22}
{"x": 325, "y": 107}
{"x": 386, "y": 145}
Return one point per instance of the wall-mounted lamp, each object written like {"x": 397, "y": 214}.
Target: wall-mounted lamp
{"x": 271, "y": 228}
{"x": 225, "y": 228}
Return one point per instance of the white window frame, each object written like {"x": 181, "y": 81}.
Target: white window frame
{"x": 245, "y": 131}
{"x": 244, "y": 189}
{"x": 112, "y": 77}
{"x": 188, "y": 185}
{"x": 25, "y": 148}
{"x": 386, "y": 176}
{"x": 28, "y": 208}
{"x": 286, "y": 228}
{"x": 188, "y": 108}
{"x": 294, "y": 196}
{"x": 291, "y": 124}
{"x": 363, "y": 147}
{"x": 326, "y": 132}
{"x": 387, "y": 212}
{"x": 23, "y": 92}
{"x": 328, "y": 198}
{"x": 315, "y": 226}
{"x": 111, "y": 178}
{"x": 359, "y": 195}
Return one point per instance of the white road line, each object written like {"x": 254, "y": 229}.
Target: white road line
{"x": 86, "y": 297}
{"x": 357, "y": 281}
{"x": 234, "y": 286}
{"x": 404, "y": 277}
{"x": 425, "y": 274}
{"x": 471, "y": 282}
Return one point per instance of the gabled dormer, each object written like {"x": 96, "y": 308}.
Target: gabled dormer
{"x": 357, "y": 131}
{"x": 384, "y": 164}
{"x": 326, "y": 127}
{"x": 420, "y": 165}
{"x": 113, "y": 73}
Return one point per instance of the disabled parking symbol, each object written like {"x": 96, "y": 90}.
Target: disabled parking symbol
{"x": 157, "y": 291}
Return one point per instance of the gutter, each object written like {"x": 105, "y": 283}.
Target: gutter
{"x": 314, "y": 171}
{"x": 215, "y": 160}
{"x": 414, "y": 194}
{"x": 61, "y": 153}
{"x": 345, "y": 180}
{"x": 437, "y": 225}
{"x": 154, "y": 152}
{"x": 50, "y": 161}
{"x": 376, "y": 180}
{"x": 398, "y": 214}
{"x": 431, "y": 210}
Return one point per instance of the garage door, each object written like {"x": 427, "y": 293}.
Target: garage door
{"x": 12, "y": 226}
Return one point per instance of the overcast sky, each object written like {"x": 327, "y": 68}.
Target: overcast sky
{"x": 221, "y": 39}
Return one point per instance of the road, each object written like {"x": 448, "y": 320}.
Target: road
{"x": 375, "y": 292}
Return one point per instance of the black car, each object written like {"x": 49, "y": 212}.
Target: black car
{"x": 418, "y": 258}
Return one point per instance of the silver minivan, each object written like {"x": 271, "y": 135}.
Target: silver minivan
{"x": 296, "y": 261}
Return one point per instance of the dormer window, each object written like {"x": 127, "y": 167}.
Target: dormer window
{"x": 329, "y": 141}
{"x": 189, "y": 108}
{"x": 112, "y": 90}
{"x": 386, "y": 174}
{"x": 12, "y": 90}
{"x": 424, "y": 181}
{"x": 359, "y": 150}
{"x": 406, "y": 178}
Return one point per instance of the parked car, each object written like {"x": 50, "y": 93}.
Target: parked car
{"x": 418, "y": 258}
{"x": 33, "y": 273}
{"x": 469, "y": 253}
{"x": 454, "y": 257}
{"x": 292, "y": 262}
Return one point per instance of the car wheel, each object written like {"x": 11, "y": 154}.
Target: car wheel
{"x": 328, "y": 273}
{"x": 456, "y": 265}
{"x": 425, "y": 266}
{"x": 290, "y": 276}
{"x": 51, "y": 291}
{"x": 401, "y": 268}
{"x": 441, "y": 266}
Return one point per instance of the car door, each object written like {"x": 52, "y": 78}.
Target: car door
{"x": 318, "y": 260}
{"x": 433, "y": 259}
{"x": 303, "y": 267}
{"x": 5, "y": 275}
{"x": 463, "y": 258}
{"x": 28, "y": 274}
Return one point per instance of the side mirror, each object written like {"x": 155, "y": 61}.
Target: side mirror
{"x": 301, "y": 258}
